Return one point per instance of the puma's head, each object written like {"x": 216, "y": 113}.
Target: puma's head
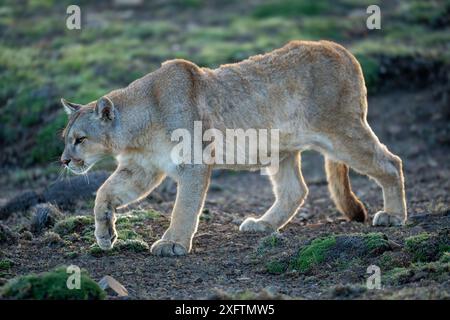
{"x": 87, "y": 135}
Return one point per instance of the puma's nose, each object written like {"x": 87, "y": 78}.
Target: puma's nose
{"x": 65, "y": 161}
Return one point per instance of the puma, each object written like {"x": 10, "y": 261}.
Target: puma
{"x": 313, "y": 92}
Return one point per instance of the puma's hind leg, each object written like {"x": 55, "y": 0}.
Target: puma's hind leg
{"x": 365, "y": 154}
{"x": 290, "y": 192}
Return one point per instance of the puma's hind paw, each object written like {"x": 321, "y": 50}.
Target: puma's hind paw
{"x": 385, "y": 219}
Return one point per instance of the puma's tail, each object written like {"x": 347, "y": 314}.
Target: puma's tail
{"x": 341, "y": 191}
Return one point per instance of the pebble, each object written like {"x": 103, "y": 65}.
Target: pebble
{"x": 112, "y": 287}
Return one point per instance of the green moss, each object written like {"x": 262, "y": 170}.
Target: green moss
{"x": 52, "y": 286}
{"x": 276, "y": 267}
{"x": 376, "y": 242}
{"x": 96, "y": 251}
{"x": 137, "y": 216}
{"x": 73, "y": 224}
{"x": 6, "y": 264}
{"x": 125, "y": 234}
{"x": 313, "y": 254}
{"x": 426, "y": 247}
{"x": 437, "y": 271}
{"x": 130, "y": 245}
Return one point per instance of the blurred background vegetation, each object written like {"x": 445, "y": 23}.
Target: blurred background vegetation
{"x": 120, "y": 41}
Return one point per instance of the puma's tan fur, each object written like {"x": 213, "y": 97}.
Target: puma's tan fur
{"x": 313, "y": 92}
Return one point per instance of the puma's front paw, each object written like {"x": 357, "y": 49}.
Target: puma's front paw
{"x": 167, "y": 248}
{"x": 106, "y": 234}
{"x": 385, "y": 219}
{"x": 255, "y": 225}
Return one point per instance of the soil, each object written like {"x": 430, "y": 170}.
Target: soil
{"x": 227, "y": 263}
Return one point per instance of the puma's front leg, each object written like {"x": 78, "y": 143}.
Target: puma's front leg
{"x": 126, "y": 184}
{"x": 193, "y": 183}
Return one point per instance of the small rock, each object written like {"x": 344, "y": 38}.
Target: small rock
{"x": 394, "y": 245}
{"x": 44, "y": 216}
{"x": 112, "y": 287}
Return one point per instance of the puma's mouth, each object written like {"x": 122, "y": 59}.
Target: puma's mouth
{"x": 81, "y": 167}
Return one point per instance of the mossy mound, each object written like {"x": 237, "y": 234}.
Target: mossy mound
{"x": 337, "y": 248}
{"x": 53, "y": 239}
{"x": 313, "y": 254}
{"x": 130, "y": 245}
{"x": 84, "y": 226}
{"x": 437, "y": 271}
{"x": 137, "y": 217}
{"x": 51, "y": 285}
{"x": 73, "y": 224}
{"x": 276, "y": 266}
{"x": 6, "y": 264}
{"x": 427, "y": 247}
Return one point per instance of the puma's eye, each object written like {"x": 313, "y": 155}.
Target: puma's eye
{"x": 79, "y": 140}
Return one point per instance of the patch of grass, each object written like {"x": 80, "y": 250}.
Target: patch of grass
{"x": 125, "y": 234}
{"x": 6, "y": 264}
{"x": 331, "y": 28}
{"x": 272, "y": 241}
{"x": 96, "y": 251}
{"x": 276, "y": 267}
{"x": 437, "y": 271}
{"x": 49, "y": 144}
{"x": 73, "y": 224}
{"x": 313, "y": 254}
{"x": 415, "y": 245}
{"x": 136, "y": 217}
{"x": 376, "y": 242}
{"x": 52, "y": 239}
{"x": 290, "y": 8}
{"x": 427, "y": 247}
{"x": 51, "y": 285}
{"x": 427, "y": 12}
{"x": 130, "y": 245}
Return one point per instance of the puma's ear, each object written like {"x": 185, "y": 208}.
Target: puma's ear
{"x": 105, "y": 109}
{"x": 70, "y": 107}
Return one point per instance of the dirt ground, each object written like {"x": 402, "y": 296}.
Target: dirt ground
{"x": 225, "y": 263}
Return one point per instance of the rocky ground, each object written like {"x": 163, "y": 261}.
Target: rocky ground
{"x": 318, "y": 255}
